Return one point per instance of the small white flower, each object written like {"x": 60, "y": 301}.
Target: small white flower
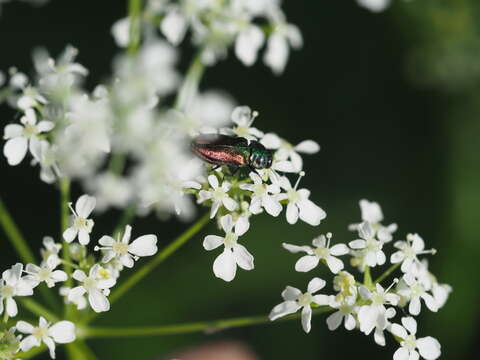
{"x": 126, "y": 253}
{"x": 30, "y": 98}
{"x": 299, "y": 206}
{"x": 174, "y": 26}
{"x": 80, "y": 302}
{"x": 46, "y": 155}
{"x": 414, "y": 291}
{"x": 288, "y": 153}
{"x": 345, "y": 284}
{"x": 45, "y": 273}
{"x": 408, "y": 251}
{"x": 345, "y": 313}
{"x": 372, "y": 213}
{"x": 370, "y": 315}
{"x": 374, "y": 5}
{"x": 278, "y": 46}
{"x": 296, "y": 300}
{"x": 62, "y": 332}
{"x": 243, "y": 117}
{"x": 11, "y": 285}
{"x": 95, "y": 285}
{"x": 428, "y": 347}
{"x": 263, "y": 196}
{"x": 218, "y": 195}
{"x": 82, "y": 225}
{"x": 22, "y": 137}
{"x": 321, "y": 252}
{"x": 225, "y": 265}
{"x": 371, "y": 246}
{"x": 247, "y": 44}
{"x": 50, "y": 251}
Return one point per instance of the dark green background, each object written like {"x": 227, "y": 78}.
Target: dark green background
{"x": 393, "y": 100}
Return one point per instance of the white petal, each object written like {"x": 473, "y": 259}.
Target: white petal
{"x": 296, "y": 249}
{"x": 224, "y": 266}
{"x": 70, "y": 234}
{"x": 358, "y": 244}
{"x": 24, "y": 327}
{"x": 271, "y": 205}
{"x": 339, "y": 249}
{"x": 410, "y": 324}
{"x": 429, "y": 348}
{"x": 76, "y": 293}
{"x": 381, "y": 258}
{"x": 127, "y": 234}
{"x": 212, "y": 242}
{"x": 127, "y": 261}
{"x": 292, "y": 213}
{"x": 414, "y": 307}
{"x": 401, "y": 354}
{"x": 430, "y": 302}
{"x": 12, "y": 131}
{"x": 306, "y": 318}
{"x": 59, "y": 275}
{"x": 315, "y": 284}
{"x": 334, "y": 264}
{"x": 85, "y": 205}
{"x": 62, "y": 332}
{"x": 98, "y": 301}
{"x": 174, "y": 26}
{"x": 308, "y": 147}
{"x": 306, "y": 263}
{"x": 322, "y": 299}
{"x": 366, "y": 231}
{"x": 248, "y": 43}
{"x": 106, "y": 241}
{"x": 213, "y": 181}
{"x": 311, "y": 213}
{"x": 350, "y": 322}
{"x": 243, "y": 258}
{"x": 334, "y": 320}
{"x": 242, "y": 225}
{"x": 397, "y": 257}
{"x": 11, "y": 307}
{"x": 398, "y": 331}
{"x": 15, "y": 150}
{"x": 290, "y": 293}
{"x": 145, "y": 245}
{"x": 45, "y": 126}
{"x": 227, "y": 223}
{"x": 29, "y": 342}
{"x": 271, "y": 141}
{"x": 83, "y": 236}
{"x": 282, "y": 309}
{"x": 50, "y": 345}
{"x": 276, "y": 55}
{"x": 229, "y": 203}
{"x": 79, "y": 275}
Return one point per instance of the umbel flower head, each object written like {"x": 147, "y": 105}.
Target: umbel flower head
{"x": 81, "y": 224}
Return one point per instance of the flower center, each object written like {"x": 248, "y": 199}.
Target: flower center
{"x": 322, "y": 252}
{"x": 417, "y": 290}
{"x": 305, "y": 299}
{"x": 40, "y": 332}
{"x": 7, "y": 291}
{"x": 90, "y": 283}
{"x": 242, "y": 131}
{"x": 104, "y": 273}
{"x": 378, "y": 299}
{"x": 44, "y": 274}
{"x": 345, "y": 309}
{"x": 293, "y": 196}
{"x": 409, "y": 252}
{"x": 120, "y": 248}
{"x": 260, "y": 190}
{"x": 373, "y": 245}
{"x": 30, "y": 130}
{"x": 410, "y": 342}
{"x": 80, "y": 222}
{"x": 219, "y": 194}
{"x": 230, "y": 240}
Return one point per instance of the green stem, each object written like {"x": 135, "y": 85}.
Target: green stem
{"x": 191, "y": 83}
{"x": 202, "y": 326}
{"x": 387, "y": 273}
{"x": 154, "y": 262}
{"x": 134, "y": 13}
{"x": 64, "y": 212}
{"x": 37, "y": 309}
{"x": 127, "y": 217}
{"x": 117, "y": 163}
{"x": 79, "y": 350}
{"x": 367, "y": 278}
{"x": 14, "y": 235}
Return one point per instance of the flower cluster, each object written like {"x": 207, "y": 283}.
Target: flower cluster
{"x": 369, "y": 306}
{"x": 94, "y": 279}
{"x": 215, "y": 26}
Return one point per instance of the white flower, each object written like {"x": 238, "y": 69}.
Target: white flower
{"x": 408, "y": 251}
{"x": 110, "y": 190}
{"x": 296, "y": 300}
{"x": 247, "y": 44}
{"x": 174, "y": 26}
{"x": 321, "y": 252}
{"x": 82, "y": 225}
{"x": 428, "y": 347}
{"x": 80, "y": 302}
{"x": 375, "y": 312}
{"x": 30, "y": 98}
{"x": 287, "y": 152}
{"x": 299, "y": 205}
{"x": 345, "y": 313}
{"x": 11, "y": 285}
{"x": 372, "y": 213}
{"x": 225, "y": 265}
{"x": 21, "y": 137}
{"x": 414, "y": 291}
{"x": 218, "y": 195}
{"x": 263, "y": 196}
{"x": 95, "y": 285}
{"x": 371, "y": 246}
{"x": 46, "y": 272}
{"x": 383, "y": 323}
{"x": 62, "y": 332}
{"x": 278, "y": 46}
{"x": 345, "y": 284}
{"x": 50, "y": 251}
{"x": 243, "y": 117}
{"x": 374, "y": 5}
{"x": 45, "y": 155}
{"x": 126, "y": 253}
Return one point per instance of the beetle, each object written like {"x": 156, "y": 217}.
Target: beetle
{"x": 236, "y": 152}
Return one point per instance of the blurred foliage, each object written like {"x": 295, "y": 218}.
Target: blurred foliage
{"x": 392, "y": 98}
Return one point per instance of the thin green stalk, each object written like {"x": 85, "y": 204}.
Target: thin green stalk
{"x": 367, "y": 277}
{"x": 387, "y": 273}
{"x": 79, "y": 350}
{"x": 134, "y": 13}
{"x": 37, "y": 309}
{"x": 154, "y": 262}
{"x": 202, "y": 326}
{"x": 191, "y": 83}
{"x": 14, "y": 235}
{"x": 64, "y": 213}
